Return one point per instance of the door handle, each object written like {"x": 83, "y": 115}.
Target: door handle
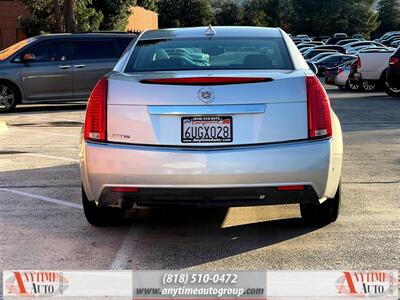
{"x": 65, "y": 67}
{"x": 79, "y": 66}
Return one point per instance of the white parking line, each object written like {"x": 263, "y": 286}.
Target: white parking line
{"x": 43, "y": 132}
{"x": 42, "y": 198}
{"x": 125, "y": 252}
{"x": 123, "y": 256}
{"x": 51, "y": 156}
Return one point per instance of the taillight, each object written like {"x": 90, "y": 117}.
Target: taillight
{"x": 358, "y": 62}
{"x": 96, "y": 113}
{"x": 290, "y": 188}
{"x": 125, "y": 189}
{"x": 393, "y": 61}
{"x": 340, "y": 70}
{"x": 319, "y": 114}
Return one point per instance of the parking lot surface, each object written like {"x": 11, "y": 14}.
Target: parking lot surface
{"x": 43, "y": 226}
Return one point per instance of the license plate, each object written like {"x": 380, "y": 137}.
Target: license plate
{"x": 206, "y": 129}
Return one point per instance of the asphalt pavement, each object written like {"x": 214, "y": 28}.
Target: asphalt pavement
{"x": 43, "y": 226}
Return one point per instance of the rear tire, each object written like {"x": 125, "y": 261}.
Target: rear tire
{"x": 101, "y": 216}
{"x": 392, "y": 91}
{"x": 322, "y": 214}
{"x": 368, "y": 85}
{"x": 351, "y": 86}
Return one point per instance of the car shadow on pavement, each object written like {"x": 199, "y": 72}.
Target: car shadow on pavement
{"x": 48, "y": 107}
{"x": 183, "y": 238}
{"x": 167, "y": 238}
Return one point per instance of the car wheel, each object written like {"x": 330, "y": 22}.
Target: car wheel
{"x": 101, "y": 216}
{"x": 352, "y": 86}
{"x": 368, "y": 86}
{"x": 8, "y": 97}
{"x": 321, "y": 214}
{"x": 391, "y": 91}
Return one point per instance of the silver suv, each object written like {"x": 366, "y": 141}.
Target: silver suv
{"x": 57, "y": 67}
{"x": 224, "y": 116}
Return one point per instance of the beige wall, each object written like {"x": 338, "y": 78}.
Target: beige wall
{"x": 142, "y": 19}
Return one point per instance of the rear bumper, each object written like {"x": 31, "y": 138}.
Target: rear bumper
{"x": 210, "y": 197}
{"x": 161, "y": 170}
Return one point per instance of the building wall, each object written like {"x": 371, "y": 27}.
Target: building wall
{"x": 10, "y": 31}
{"x": 142, "y": 19}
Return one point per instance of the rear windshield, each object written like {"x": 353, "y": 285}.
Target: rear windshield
{"x": 209, "y": 54}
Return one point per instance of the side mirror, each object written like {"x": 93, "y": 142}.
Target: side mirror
{"x": 28, "y": 57}
{"x": 313, "y": 67}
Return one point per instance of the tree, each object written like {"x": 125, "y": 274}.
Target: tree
{"x": 320, "y": 17}
{"x": 255, "y": 13}
{"x": 168, "y": 13}
{"x": 115, "y": 12}
{"x": 41, "y": 20}
{"x": 49, "y": 16}
{"x": 228, "y": 13}
{"x": 57, "y": 15}
{"x": 389, "y": 16}
{"x": 148, "y": 4}
{"x": 184, "y": 13}
{"x": 69, "y": 16}
{"x": 365, "y": 21}
{"x": 87, "y": 18}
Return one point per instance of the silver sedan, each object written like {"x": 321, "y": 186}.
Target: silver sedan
{"x": 223, "y": 116}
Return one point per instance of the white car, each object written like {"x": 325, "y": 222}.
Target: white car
{"x": 252, "y": 127}
{"x": 371, "y": 67}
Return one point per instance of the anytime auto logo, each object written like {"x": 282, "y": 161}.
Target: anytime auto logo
{"x": 367, "y": 284}
{"x": 36, "y": 283}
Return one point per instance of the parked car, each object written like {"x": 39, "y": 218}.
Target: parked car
{"x": 334, "y": 40}
{"x": 340, "y": 35}
{"x": 370, "y": 68}
{"x": 305, "y": 45}
{"x": 395, "y": 43}
{"x": 387, "y": 35}
{"x": 358, "y": 36}
{"x": 339, "y": 49}
{"x": 342, "y": 79}
{"x": 310, "y": 54}
{"x": 321, "y": 38}
{"x": 392, "y": 86}
{"x": 321, "y": 55}
{"x": 297, "y": 40}
{"x": 57, "y": 67}
{"x": 302, "y": 36}
{"x": 158, "y": 132}
{"x": 351, "y": 46}
{"x": 339, "y": 76}
{"x": 316, "y": 43}
{"x": 391, "y": 39}
{"x": 374, "y": 49}
{"x": 332, "y": 61}
{"x": 346, "y": 41}
{"x": 364, "y": 48}
{"x": 305, "y": 49}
